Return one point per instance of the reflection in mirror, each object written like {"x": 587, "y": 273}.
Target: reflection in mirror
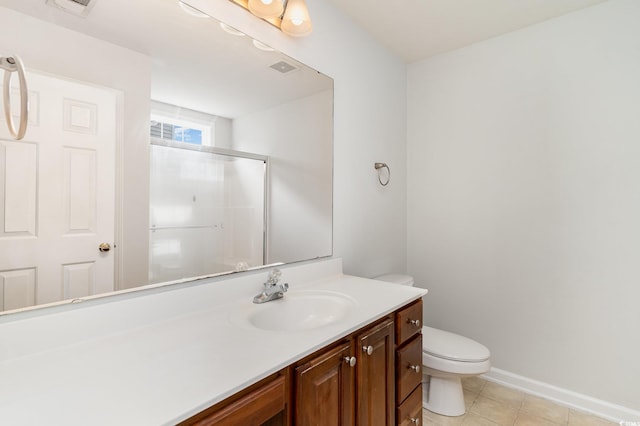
{"x": 186, "y": 146}
{"x": 207, "y": 211}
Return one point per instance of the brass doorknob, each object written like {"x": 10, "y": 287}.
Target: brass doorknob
{"x": 104, "y": 247}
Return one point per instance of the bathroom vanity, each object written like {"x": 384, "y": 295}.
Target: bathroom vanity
{"x": 372, "y": 376}
{"x": 194, "y": 353}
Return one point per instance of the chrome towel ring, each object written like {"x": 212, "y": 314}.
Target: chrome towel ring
{"x": 12, "y": 64}
{"x": 379, "y": 167}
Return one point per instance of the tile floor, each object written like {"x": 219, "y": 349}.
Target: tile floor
{"x": 490, "y": 404}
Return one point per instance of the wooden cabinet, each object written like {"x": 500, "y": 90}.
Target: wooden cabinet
{"x": 371, "y": 377}
{"x": 409, "y": 413}
{"x": 408, "y": 372}
{"x": 408, "y": 321}
{"x": 375, "y": 375}
{"x": 323, "y": 389}
{"x": 408, "y": 368}
{"x": 263, "y": 404}
{"x": 352, "y": 384}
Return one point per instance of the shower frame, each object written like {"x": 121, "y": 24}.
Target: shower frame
{"x": 235, "y": 154}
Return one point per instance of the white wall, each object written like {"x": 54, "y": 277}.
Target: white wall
{"x": 370, "y": 125}
{"x": 524, "y": 198}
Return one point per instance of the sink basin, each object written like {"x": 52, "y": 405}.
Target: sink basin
{"x": 296, "y": 311}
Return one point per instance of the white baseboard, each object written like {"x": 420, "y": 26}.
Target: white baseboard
{"x": 597, "y": 407}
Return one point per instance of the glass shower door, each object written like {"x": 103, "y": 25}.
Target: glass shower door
{"x": 207, "y": 211}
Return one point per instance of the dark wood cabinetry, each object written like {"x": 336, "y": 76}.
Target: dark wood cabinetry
{"x": 263, "y": 404}
{"x": 408, "y": 372}
{"x": 351, "y": 384}
{"x": 375, "y": 375}
{"x": 371, "y": 377}
{"x": 323, "y": 389}
{"x": 408, "y": 368}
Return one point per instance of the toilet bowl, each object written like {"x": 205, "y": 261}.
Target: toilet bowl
{"x": 446, "y": 359}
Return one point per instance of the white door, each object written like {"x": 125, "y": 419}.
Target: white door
{"x": 57, "y": 195}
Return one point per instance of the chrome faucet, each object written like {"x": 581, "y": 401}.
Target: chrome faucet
{"x": 272, "y": 288}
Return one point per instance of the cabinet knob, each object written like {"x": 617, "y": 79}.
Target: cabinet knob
{"x": 415, "y": 322}
{"x": 350, "y": 360}
{"x": 367, "y": 349}
{"x": 415, "y": 368}
{"x": 415, "y": 420}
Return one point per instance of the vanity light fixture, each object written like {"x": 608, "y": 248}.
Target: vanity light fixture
{"x": 266, "y": 9}
{"x": 291, "y": 16}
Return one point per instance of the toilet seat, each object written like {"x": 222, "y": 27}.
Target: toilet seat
{"x": 453, "y": 347}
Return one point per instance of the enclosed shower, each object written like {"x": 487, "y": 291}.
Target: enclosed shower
{"x": 207, "y": 210}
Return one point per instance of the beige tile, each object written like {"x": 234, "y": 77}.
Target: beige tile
{"x": 430, "y": 418}
{"x": 496, "y": 411}
{"x": 530, "y": 419}
{"x": 490, "y": 404}
{"x": 473, "y": 419}
{"x": 473, "y": 384}
{"x": 545, "y": 409}
{"x": 503, "y": 394}
{"x": 469, "y": 398}
{"x": 578, "y": 418}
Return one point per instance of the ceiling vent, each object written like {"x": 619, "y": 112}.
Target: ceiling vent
{"x": 284, "y": 67}
{"x": 76, "y": 7}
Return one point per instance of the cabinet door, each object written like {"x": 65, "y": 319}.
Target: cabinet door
{"x": 375, "y": 378}
{"x": 324, "y": 389}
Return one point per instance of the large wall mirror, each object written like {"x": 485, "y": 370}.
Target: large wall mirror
{"x": 162, "y": 146}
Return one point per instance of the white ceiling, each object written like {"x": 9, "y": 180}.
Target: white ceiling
{"x": 417, "y": 29}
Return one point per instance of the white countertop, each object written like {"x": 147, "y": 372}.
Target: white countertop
{"x": 152, "y": 370}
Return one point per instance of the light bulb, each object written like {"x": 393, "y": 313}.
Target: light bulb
{"x": 296, "y": 21}
{"x": 266, "y": 9}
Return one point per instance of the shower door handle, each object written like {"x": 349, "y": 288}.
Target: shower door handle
{"x": 12, "y": 64}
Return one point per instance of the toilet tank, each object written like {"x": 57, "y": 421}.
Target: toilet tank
{"x": 396, "y": 279}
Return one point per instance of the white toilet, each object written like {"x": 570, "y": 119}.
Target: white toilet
{"x": 446, "y": 358}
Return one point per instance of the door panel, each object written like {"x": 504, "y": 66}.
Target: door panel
{"x": 18, "y": 288}
{"x": 19, "y": 161}
{"x": 57, "y": 195}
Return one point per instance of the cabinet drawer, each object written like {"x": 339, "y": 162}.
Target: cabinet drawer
{"x": 260, "y": 406}
{"x": 410, "y": 412}
{"x": 408, "y": 322}
{"x": 408, "y": 368}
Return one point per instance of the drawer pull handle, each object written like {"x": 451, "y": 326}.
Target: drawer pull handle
{"x": 350, "y": 360}
{"x": 415, "y": 368}
{"x": 415, "y": 322}
{"x": 367, "y": 349}
{"x": 415, "y": 420}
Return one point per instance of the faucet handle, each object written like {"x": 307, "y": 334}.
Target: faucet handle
{"x": 273, "y": 277}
